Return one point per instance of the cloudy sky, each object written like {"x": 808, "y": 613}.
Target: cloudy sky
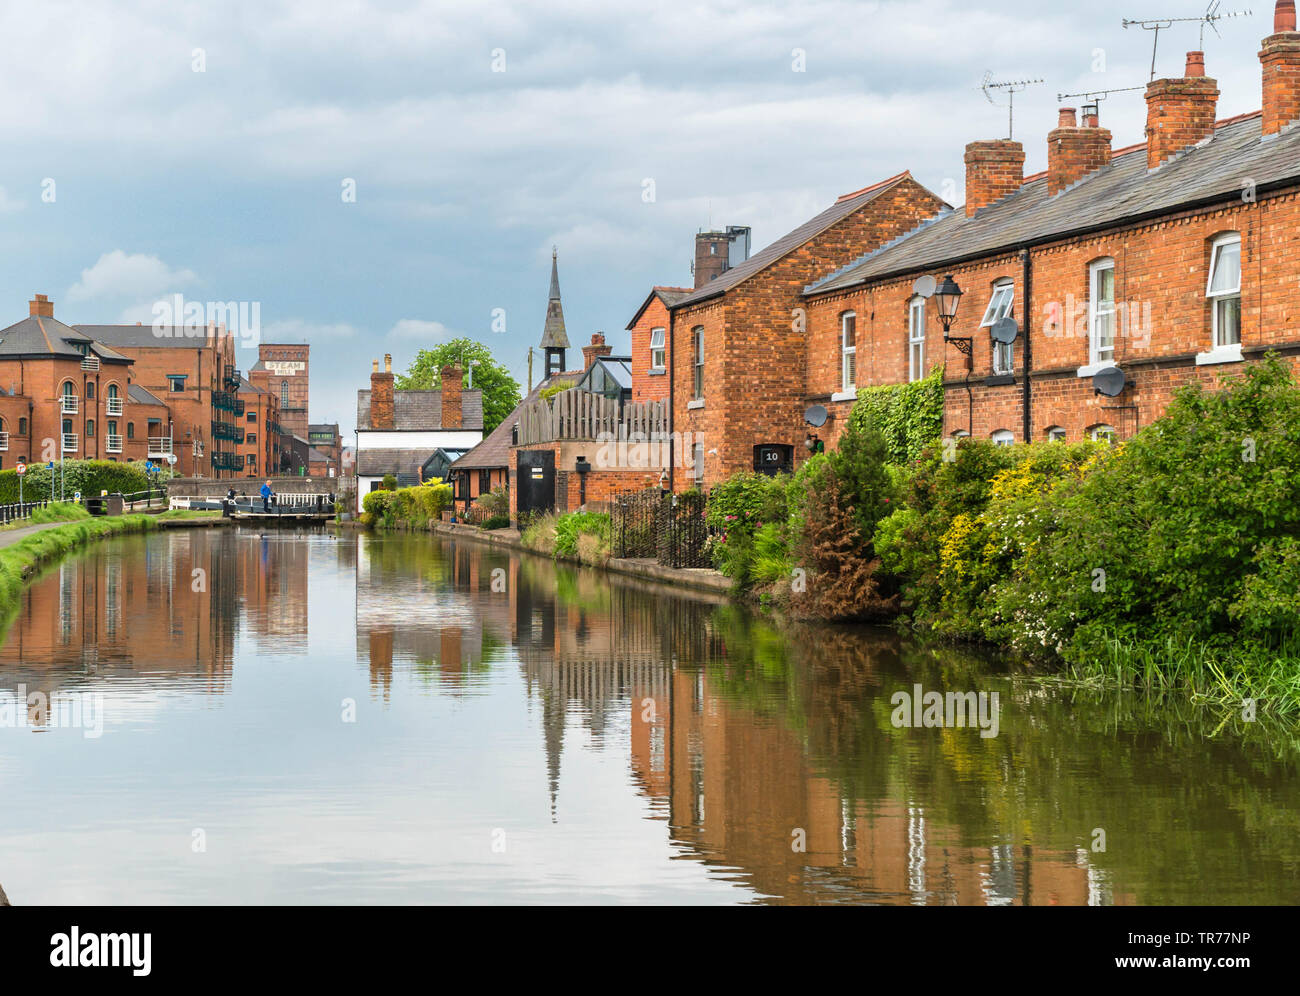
{"x": 156, "y": 147}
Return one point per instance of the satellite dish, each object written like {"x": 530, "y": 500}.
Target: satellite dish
{"x": 925, "y": 286}
{"x": 815, "y": 415}
{"x": 1109, "y": 381}
{"x": 1005, "y": 331}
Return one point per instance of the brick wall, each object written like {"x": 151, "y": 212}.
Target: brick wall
{"x": 757, "y": 346}
{"x": 649, "y": 384}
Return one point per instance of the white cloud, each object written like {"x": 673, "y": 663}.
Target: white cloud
{"x": 415, "y": 328}
{"x": 118, "y": 274}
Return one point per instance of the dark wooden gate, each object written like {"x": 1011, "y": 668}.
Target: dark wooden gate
{"x": 536, "y": 477}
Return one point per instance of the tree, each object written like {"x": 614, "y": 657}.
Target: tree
{"x": 500, "y": 390}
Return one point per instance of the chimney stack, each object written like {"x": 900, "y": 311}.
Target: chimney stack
{"x": 1074, "y": 152}
{"x": 594, "y": 351}
{"x": 41, "y": 305}
{"x": 381, "y": 396}
{"x": 1180, "y": 112}
{"x": 994, "y": 169}
{"x": 452, "y": 380}
{"x": 1280, "y": 58}
{"x": 711, "y": 249}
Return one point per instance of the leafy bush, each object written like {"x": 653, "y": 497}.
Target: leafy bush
{"x": 746, "y": 500}
{"x": 87, "y": 476}
{"x": 908, "y": 416}
{"x": 569, "y": 527}
{"x": 495, "y": 522}
{"x": 1185, "y": 534}
{"x": 390, "y": 482}
{"x": 859, "y": 461}
{"x": 494, "y": 503}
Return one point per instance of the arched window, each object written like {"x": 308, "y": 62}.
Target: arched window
{"x": 1055, "y": 434}
{"x": 1003, "y": 437}
{"x": 284, "y": 394}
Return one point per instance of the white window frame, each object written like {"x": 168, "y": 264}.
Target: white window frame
{"x": 658, "y": 351}
{"x": 848, "y": 354}
{"x": 1102, "y": 433}
{"x": 1220, "y": 351}
{"x": 1055, "y": 434}
{"x": 697, "y": 362}
{"x": 1003, "y": 437}
{"x": 1001, "y": 305}
{"x": 1095, "y": 314}
{"x": 916, "y": 339}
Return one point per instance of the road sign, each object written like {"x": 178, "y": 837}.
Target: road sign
{"x": 21, "y": 468}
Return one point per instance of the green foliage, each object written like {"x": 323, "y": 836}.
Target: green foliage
{"x": 495, "y": 522}
{"x": 908, "y": 416}
{"x": 558, "y": 387}
{"x": 746, "y": 500}
{"x": 407, "y": 508}
{"x": 539, "y": 534}
{"x": 859, "y": 461}
{"x": 500, "y": 390}
{"x": 1184, "y": 534}
{"x": 569, "y": 527}
{"x": 87, "y": 476}
{"x": 389, "y": 482}
{"x": 58, "y": 511}
{"x": 495, "y": 503}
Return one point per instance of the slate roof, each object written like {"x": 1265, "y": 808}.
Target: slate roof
{"x": 141, "y": 336}
{"x": 415, "y": 411}
{"x": 668, "y": 295}
{"x": 787, "y": 243}
{"x": 39, "y": 335}
{"x": 494, "y": 449}
{"x": 377, "y": 463}
{"x": 139, "y": 396}
{"x": 1122, "y": 192}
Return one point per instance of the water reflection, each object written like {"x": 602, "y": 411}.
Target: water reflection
{"x": 632, "y": 744}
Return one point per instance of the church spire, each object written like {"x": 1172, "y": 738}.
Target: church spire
{"x": 555, "y": 339}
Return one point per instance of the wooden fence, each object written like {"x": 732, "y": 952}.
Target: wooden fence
{"x": 575, "y": 414}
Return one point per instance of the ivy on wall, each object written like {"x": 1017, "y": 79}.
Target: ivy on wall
{"x": 909, "y": 416}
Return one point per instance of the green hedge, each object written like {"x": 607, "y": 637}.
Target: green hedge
{"x": 90, "y": 477}
{"x": 909, "y": 416}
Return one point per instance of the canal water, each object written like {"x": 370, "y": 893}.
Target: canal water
{"x": 228, "y": 716}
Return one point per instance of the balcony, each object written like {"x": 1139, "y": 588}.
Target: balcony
{"x": 227, "y": 461}
{"x": 4, "y": 441}
{"x": 113, "y": 406}
{"x": 69, "y": 442}
{"x": 113, "y": 443}
{"x": 223, "y": 401}
{"x": 238, "y": 406}
{"x": 232, "y": 377}
{"x": 160, "y": 446}
{"x": 68, "y": 404}
{"x": 227, "y": 430}
{"x": 90, "y": 363}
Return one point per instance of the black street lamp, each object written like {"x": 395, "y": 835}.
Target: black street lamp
{"x": 947, "y": 296}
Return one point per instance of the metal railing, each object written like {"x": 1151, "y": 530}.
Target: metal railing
{"x": 281, "y": 504}
{"x": 68, "y": 404}
{"x": 90, "y": 363}
{"x": 113, "y": 443}
{"x": 4, "y": 440}
{"x": 69, "y": 442}
{"x": 113, "y": 406}
{"x": 15, "y": 511}
{"x": 160, "y": 446}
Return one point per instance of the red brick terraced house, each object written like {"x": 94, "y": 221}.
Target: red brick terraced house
{"x": 1161, "y": 264}
{"x": 650, "y": 346}
{"x": 738, "y": 354}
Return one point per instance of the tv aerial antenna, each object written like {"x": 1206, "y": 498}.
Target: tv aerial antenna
{"x": 1210, "y": 18}
{"x": 1010, "y": 88}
